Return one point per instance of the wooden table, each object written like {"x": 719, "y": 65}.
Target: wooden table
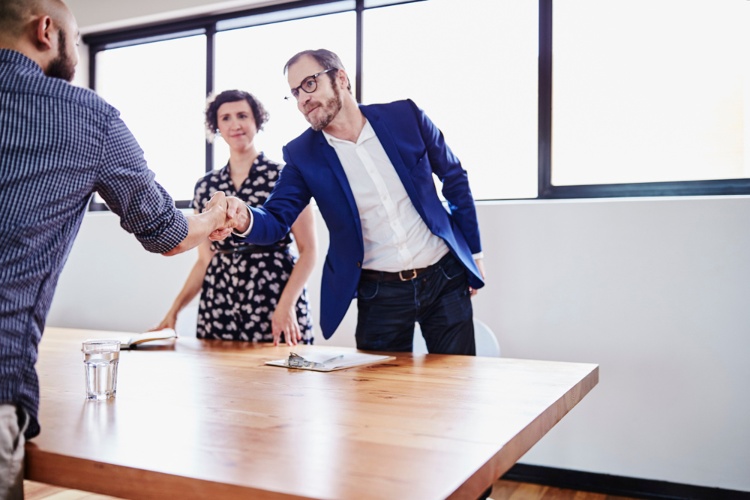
{"x": 207, "y": 419}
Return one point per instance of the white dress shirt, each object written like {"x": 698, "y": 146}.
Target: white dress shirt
{"x": 395, "y": 236}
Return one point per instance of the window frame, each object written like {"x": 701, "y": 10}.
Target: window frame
{"x": 547, "y": 190}
{"x": 209, "y": 26}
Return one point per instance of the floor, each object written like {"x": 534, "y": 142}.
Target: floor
{"x": 511, "y": 490}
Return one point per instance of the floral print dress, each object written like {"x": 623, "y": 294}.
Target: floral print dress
{"x": 243, "y": 282}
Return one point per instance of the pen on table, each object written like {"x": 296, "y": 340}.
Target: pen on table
{"x": 333, "y": 359}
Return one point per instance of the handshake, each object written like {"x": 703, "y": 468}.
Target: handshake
{"x": 227, "y": 213}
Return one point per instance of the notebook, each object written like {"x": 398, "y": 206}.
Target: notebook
{"x": 157, "y": 337}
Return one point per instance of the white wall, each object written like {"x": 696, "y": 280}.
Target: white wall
{"x": 654, "y": 290}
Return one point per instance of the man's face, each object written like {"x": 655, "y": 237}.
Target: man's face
{"x": 322, "y": 105}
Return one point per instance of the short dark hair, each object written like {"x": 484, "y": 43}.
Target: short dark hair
{"x": 326, "y": 58}
{"x": 214, "y": 103}
{"x": 13, "y": 15}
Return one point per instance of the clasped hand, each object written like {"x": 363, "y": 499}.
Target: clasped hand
{"x": 236, "y": 216}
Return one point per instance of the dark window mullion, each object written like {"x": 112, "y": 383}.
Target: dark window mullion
{"x": 210, "y": 82}
{"x": 94, "y": 206}
{"x": 545, "y": 99}
{"x": 722, "y": 187}
{"x": 360, "y": 8}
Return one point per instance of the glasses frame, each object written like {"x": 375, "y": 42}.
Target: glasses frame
{"x": 295, "y": 91}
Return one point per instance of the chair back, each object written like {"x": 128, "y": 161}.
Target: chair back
{"x": 485, "y": 339}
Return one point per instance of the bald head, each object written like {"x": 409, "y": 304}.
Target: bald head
{"x": 44, "y": 31}
{"x": 15, "y": 15}
{"x": 18, "y": 16}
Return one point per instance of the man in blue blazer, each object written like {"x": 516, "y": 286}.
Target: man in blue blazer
{"x": 393, "y": 244}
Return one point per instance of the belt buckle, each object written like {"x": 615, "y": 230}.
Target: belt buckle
{"x": 413, "y": 275}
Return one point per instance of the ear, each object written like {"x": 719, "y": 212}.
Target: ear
{"x": 342, "y": 78}
{"x": 43, "y": 33}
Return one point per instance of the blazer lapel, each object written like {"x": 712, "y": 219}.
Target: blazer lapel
{"x": 389, "y": 145}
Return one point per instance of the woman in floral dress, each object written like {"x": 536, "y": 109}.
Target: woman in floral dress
{"x": 248, "y": 292}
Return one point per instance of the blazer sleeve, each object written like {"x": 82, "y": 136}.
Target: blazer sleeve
{"x": 454, "y": 178}
{"x": 274, "y": 219}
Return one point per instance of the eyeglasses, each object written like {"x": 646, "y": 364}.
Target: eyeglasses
{"x": 309, "y": 84}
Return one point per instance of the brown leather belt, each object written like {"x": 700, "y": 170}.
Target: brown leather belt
{"x": 408, "y": 275}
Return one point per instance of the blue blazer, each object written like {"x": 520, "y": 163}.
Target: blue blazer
{"x": 417, "y": 149}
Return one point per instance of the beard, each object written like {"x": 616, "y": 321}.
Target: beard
{"x": 62, "y": 66}
{"x": 331, "y": 108}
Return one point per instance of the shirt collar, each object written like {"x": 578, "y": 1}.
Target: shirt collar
{"x": 19, "y": 58}
{"x": 366, "y": 134}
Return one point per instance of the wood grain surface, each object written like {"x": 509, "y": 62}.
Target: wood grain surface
{"x": 207, "y": 419}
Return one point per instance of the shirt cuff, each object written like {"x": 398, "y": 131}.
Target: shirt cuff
{"x": 249, "y": 226}
{"x": 479, "y": 255}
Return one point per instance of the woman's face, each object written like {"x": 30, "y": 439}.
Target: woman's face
{"x": 237, "y": 124}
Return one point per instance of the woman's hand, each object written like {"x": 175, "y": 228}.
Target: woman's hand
{"x": 169, "y": 321}
{"x": 285, "y": 320}
{"x": 285, "y": 317}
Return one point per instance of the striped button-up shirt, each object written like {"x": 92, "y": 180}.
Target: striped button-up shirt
{"x": 58, "y": 145}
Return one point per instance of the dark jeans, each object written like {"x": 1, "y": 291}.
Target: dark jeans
{"x": 439, "y": 300}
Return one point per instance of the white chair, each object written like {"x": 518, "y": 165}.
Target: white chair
{"x": 485, "y": 339}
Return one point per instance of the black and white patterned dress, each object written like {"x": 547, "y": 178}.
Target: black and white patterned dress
{"x": 243, "y": 283}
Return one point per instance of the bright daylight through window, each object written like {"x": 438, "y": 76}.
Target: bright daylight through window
{"x": 547, "y": 98}
{"x": 261, "y": 73}
{"x": 160, "y": 90}
{"x": 647, "y": 91}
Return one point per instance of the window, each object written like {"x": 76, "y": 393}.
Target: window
{"x": 649, "y": 94}
{"x": 547, "y": 99}
{"x": 484, "y": 101}
{"x": 160, "y": 90}
{"x": 260, "y": 72}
